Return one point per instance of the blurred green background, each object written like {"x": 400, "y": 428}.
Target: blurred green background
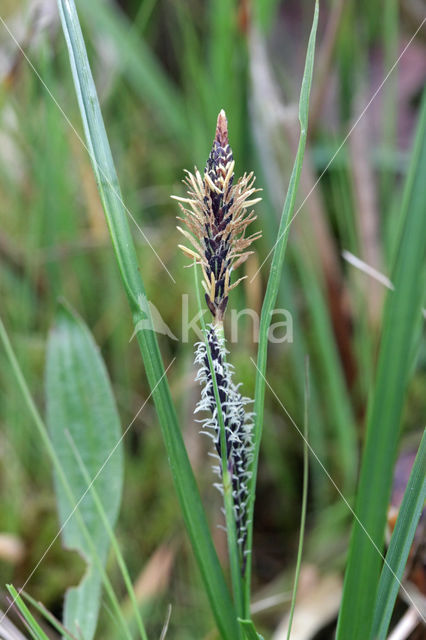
{"x": 163, "y": 70}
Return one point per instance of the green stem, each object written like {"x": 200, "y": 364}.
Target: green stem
{"x": 304, "y": 500}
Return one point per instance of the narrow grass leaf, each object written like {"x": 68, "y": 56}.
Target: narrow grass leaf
{"x": 80, "y": 403}
{"x": 125, "y": 252}
{"x": 49, "y": 616}
{"x": 400, "y": 544}
{"x": 402, "y": 314}
{"x": 33, "y": 626}
{"x": 273, "y": 284}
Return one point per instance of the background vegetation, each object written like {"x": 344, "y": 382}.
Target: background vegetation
{"x": 163, "y": 70}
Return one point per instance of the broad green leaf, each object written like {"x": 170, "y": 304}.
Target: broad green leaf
{"x": 402, "y": 315}
{"x": 81, "y": 407}
{"x": 400, "y": 544}
{"x": 61, "y": 476}
{"x": 115, "y": 212}
{"x": 78, "y": 616}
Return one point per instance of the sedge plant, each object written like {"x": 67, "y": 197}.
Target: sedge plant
{"x": 225, "y": 248}
{"x": 216, "y": 214}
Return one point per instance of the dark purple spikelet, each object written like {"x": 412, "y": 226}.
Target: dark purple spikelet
{"x": 216, "y": 217}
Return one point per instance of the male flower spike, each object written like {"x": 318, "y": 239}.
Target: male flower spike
{"x": 216, "y": 216}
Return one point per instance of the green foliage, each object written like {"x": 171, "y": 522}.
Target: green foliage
{"x": 33, "y": 626}
{"x": 401, "y": 317}
{"x": 81, "y": 410}
{"x": 162, "y": 72}
{"x": 115, "y": 212}
{"x": 249, "y": 630}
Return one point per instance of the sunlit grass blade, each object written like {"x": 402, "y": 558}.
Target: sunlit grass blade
{"x": 124, "y": 248}
{"x": 402, "y": 315}
{"x": 399, "y": 547}
{"x": 273, "y": 286}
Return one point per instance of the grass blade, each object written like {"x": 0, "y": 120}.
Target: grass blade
{"x": 401, "y": 540}
{"x": 273, "y": 286}
{"x": 109, "y": 190}
{"x": 401, "y": 316}
{"x": 341, "y": 414}
{"x": 48, "y": 616}
{"x": 33, "y": 626}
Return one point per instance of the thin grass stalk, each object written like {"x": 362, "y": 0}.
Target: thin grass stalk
{"x": 49, "y": 616}
{"x": 33, "y": 626}
{"x": 304, "y": 498}
{"x": 272, "y": 291}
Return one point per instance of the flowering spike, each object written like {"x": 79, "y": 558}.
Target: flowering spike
{"x": 216, "y": 216}
{"x": 238, "y": 425}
